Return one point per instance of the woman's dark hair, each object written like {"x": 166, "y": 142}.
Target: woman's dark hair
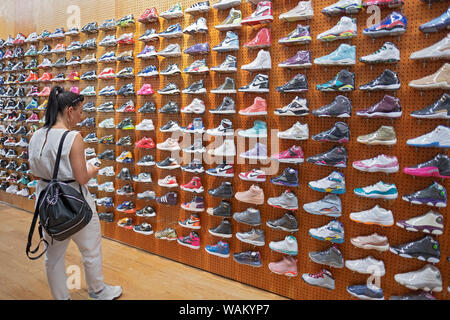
{"x": 58, "y": 101}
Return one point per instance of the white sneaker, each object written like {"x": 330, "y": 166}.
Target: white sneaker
{"x": 108, "y": 293}
{"x": 107, "y": 171}
{"x": 263, "y": 61}
{"x": 439, "y": 50}
{"x": 143, "y": 177}
{"x": 198, "y": 26}
{"x": 148, "y": 195}
{"x": 174, "y": 12}
{"x": 12, "y": 189}
{"x": 197, "y": 106}
{"x": 344, "y": 29}
{"x": 168, "y": 182}
{"x": 376, "y": 215}
{"x": 428, "y": 279}
{"x": 368, "y": 265}
{"x": 431, "y": 222}
{"x": 388, "y": 53}
{"x": 381, "y": 163}
{"x": 297, "y": 132}
{"x": 146, "y": 125}
{"x": 226, "y": 4}
{"x": 107, "y": 123}
{"x": 439, "y": 138}
{"x": 89, "y": 152}
{"x": 107, "y": 187}
{"x": 168, "y": 145}
{"x": 22, "y": 143}
{"x": 287, "y": 246}
{"x": 333, "y": 183}
{"x": 343, "y": 7}
{"x": 92, "y": 183}
{"x": 303, "y": 11}
{"x": 379, "y": 190}
{"x": 24, "y": 192}
{"x": 227, "y": 149}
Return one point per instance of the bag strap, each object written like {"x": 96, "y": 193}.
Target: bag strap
{"x": 30, "y": 237}
{"x": 58, "y": 156}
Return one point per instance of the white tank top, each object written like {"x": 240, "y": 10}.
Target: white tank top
{"x": 42, "y": 153}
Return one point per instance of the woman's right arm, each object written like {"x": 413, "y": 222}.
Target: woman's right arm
{"x": 81, "y": 172}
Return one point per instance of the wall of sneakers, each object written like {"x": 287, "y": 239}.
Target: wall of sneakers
{"x": 286, "y": 145}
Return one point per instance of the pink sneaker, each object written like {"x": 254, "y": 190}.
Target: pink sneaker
{"x": 293, "y": 155}
{"x": 254, "y": 195}
{"x": 192, "y": 240}
{"x": 286, "y": 267}
{"x": 146, "y": 90}
{"x": 75, "y": 90}
{"x": 33, "y": 118}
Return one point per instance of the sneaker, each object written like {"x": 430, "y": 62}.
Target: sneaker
{"x": 366, "y": 292}
{"x": 388, "y": 80}
{"x": 225, "y": 190}
{"x": 231, "y": 22}
{"x": 381, "y": 163}
{"x": 259, "y": 130}
{"x": 228, "y": 65}
{"x": 174, "y": 12}
{"x": 199, "y": 26}
{"x": 147, "y": 195}
{"x": 259, "y": 107}
{"x": 258, "y": 152}
{"x": 173, "y": 31}
{"x": 197, "y": 67}
{"x": 288, "y": 222}
{"x": 439, "y": 167}
{"x": 226, "y": 107}
{"x": 195, "y": 185}
{"x": 197, "y": 106}
{"x": 226, "y": 4}
{"x": 251, "y": 258}
{"x": 323, "y": 279}
{"x": 254, "y": 237}
{"x": 223, "y": 210}
{"x": 434, "y": 195}
{"x": 262, "y": 14}
{"x": 333, "y": 183}
{"x": 126, "y": 207}
{"x": 147, "y": 53}
{"x": 431, "y": 222}
{"x": 288, "y": 178}
{"x": 221, "y": 249}
{"x": 145, "y": 143}
{"x": 439, "y": 138}
{"x": 292, "y": 155}
{"x": 193, "y": 222}
{"x": 385, "y": 135}
{"x": 287, "y": 246}
{"x": 333, "y": 231}
{"x": 107, "y": 124}
{"x": 261, "y": 40}
{"x": 340, "y": 107}
{"x": 415, "y": 296}
{"x": 172, "y": 69}
{"x": 336, "y": 157}
{"x": 171, "y": 126}
{"x": 168, "y": 182}
{"x": 194, "y": 167}
{"x": 170, "y": 199}
{"x": 340, "y": 133}
{"x": 427, "y": 278}
{"x": 250, "y": 216}
{"x": 255, "y": 175}
{"x": 146, "y": 161}
{"x": 393, "y": 25}
{"x": 287, "y": 200}
{"x": 170, "y": 108}
{"x": 331, "y": 257}
{"x": 148, "y": 107}
{"x": 197, "y": 204}
{"x": 222, "y": 170}
{"x": 146, "y": 212}
{"x": 344, "y": 29}
{"x": 343, "y": 7}
{"x": 191, "y": 241}
{"x": 373, "y": 241}
{"x": 125, "y": 157}
{"x": 425, "y": 249}
{"x": 297, "y": 84}
{"x": 298, "y": 107}
{"x": 438, "y": 80}
{"x": 388, "y": 53}
{"x": 259, "y": 84}
{"x": 108, "y": 24}
{"x": 230, "y": 43}
{"x": 439, "y": 50}
{"x": 299, "y": 35}
{"x": 380, "y": 190}
{"x": 344, "y": 81}
{"x": 368, "y": 265}
{"x": 343, "y": 55}
{"x": 437, "y": 110}
{"x": 143, "y": 228}
{"x": 168, "y": 163}
{"x": 196, "y": 147}
{"x": 147, "y": 90}
{"x": 168, "y": 234}
{"x": 376, "y": 215}
{"x": 303, "y": 11}
{"x": 196, "y": 88}
{"x": 227, "y": 87}
{"x": 172, "y": 50}
{"x": 388, "y": 107}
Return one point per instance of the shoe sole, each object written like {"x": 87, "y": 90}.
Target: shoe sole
{"x": 315, "y": 285}
{"x": 378, "y": 196}
{"x": 333, "y": 240}
{"x": 260, "y": 113}
{"x": 381, "y": 115}
{"x": 188, "y": 245}
{"x": 193, "y": 190}
{"x": 295, "y": 18}
{"x": 169, "y": 92}
{"x": 290, "y": 253}
{"x": 201, "y": 91}
{"x": 425, "y": 172}
{"x": 281, "y": 228}
{"x": 167, "y": 185}
{"x": 279, "y": 207}
{"x": 231, "y": 70}
{"x": 326, "y": 264}
{"x": 288, "y": 160}
{"x": 254, "y": 90}
{"x": 291, "y": 114}
{"x": 253, "y": 180}
{"x": 320, "y": 213}
{"x": 258, "y": 20}
{"x": 420, "y": 257}
{"x": 424, "y": 288}
{"x": 430, "y": 145}
{"x": 383, "y": 87}
{"x": 222, "y": 112}
{"x": 328, "y": 190}
{"x": 225, "y": 175}
{"x": 377, "y": 169}
{"x": 193, "y": 171}
{"x": 438, "y": 204}
{"x": 192, "y": 209}
{"x": 247, "y": 264}
{"x": 425, "y": 229}
{"x": 147, "y": 233}
{"x": 382, "y": 33}
{"x": 363, "y": 297}
{"x": 189, "y": 227}
{"x": 286, "y": 273}
{"x": 378, "y": 142}
{"x": 441, "y": 115}
{"x": 295, "y": 66}
{"x": 169, "y": 167}
{"x": 382, "y": 224}
{"x": 218, "y": 254}
{"x": 253, "y": 157}
{"x": 244, "y": 222}
{"x": 223, "y": 91}
{"x": 168, "y": 149}
{"x": 370, "y": 247}
{"x": 258, "y": 244}
{"x": 228, "y": 27}
{"x": 221, "y": 235}
{"x": 345, "y": 62}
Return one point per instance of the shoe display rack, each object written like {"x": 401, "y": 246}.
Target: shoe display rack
{"x": 405, "y": 127}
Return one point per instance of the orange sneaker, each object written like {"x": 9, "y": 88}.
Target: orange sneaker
{"x": 259, "y": 107}
{"x": 46, "y": 77}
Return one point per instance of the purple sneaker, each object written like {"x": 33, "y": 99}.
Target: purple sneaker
{"x": 199, "y": 48}
{"x": 259, "y": 152}
{"x": 388, "y": 107}
{"x": 168, "y": 199}
{"x": 302, "y": 59}
{"x": 197, "y": 204}
{"x": 148, "y": 52}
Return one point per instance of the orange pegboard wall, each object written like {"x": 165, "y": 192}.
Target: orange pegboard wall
{"x": 406, "y": 127}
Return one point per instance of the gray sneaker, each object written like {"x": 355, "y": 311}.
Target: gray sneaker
{"x": 330, "y": 205}
{"x": 172, "y": 50}
{"x": 288, "y": 223}
{"x": 226, "y": 107}
{"x": 227, "y": 87}
{"x": 428, "y": 279}
{"x": 223, "y": 230}
{"x": 250, "y": 216}
{"x": 331, "y": 257}
{"x": 323, "y": 279}
{"x": 287, "y": 200}
{"x": 254, "y": 237}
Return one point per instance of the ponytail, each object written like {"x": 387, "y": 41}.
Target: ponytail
{"x": 58, "y": 101}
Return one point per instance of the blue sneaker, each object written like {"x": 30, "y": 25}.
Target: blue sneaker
{"x": 393, "y": 25}
{"x": 108, "y": 91}
{"x": 440, "y": 23}
{"x": 105, "y": 202}
{"x": 148, "y": 71}
{"x": 33, "y": 105}
{"x": 195, "y": 127}
{"x": 108, "y": 57}
{"x": 173, "y": 31}
{"x": 380, "y": 190}
{"x": 343, "y": 55}
{"x": 364, "y": 292}
{"x": 221, "y": 249}
{"x": 127, "y": 207}
{"x": 333, "y": 232}
{"x": 343, "y": 82}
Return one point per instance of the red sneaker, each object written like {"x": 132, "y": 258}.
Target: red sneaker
{"x": 195, "y": 185}
{"x": 32, "y": 77}
{"x": 46, "y": 77}
{"x": 262, "y": 40}
{"x": 259, "y": 107}
{"x": 263, "y": 14}
{"x": 383, "y": 3}
{"x": 146, "y": 90}
{"x": 145, "y": 143}
{"x": 8, "y": 54}
{"x": 45, "y": 92}
{"x": 130, "y": 108}
{"x": 293, "y": 155}
{"x": 149, "y": 15}
{"x": 73, "y": 76}
{"x": 256, "y": 175}
{"x": 108, "y": 73}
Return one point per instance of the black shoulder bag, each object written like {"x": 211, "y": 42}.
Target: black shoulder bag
{"x": 62, "y": 210}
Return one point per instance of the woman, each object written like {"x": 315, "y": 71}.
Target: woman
{"x": 63, "y": 112}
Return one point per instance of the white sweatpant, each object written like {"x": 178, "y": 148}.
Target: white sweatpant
{"x": 88, "y": 241}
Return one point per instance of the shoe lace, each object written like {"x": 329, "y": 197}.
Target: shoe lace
{"x": 316, "y": 275}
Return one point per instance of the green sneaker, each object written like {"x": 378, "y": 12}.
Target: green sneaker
{"x": 126, "y": 124}
{"x": 24, "y": 180}
{"x": 168, "y": 234}
{"x": 125, "y": 21}
{"x": 107, "y": 139}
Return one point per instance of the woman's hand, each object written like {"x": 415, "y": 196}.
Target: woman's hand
{"x": 92, "y": 170}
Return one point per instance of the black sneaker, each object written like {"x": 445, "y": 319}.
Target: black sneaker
{"x": 223, "y": 210}
{"x": 340, "y": 133}
{"x": 434, "y": 195}
{"x": 195, "y": 88}
{"x": 90, "y": 28}
{"x": 148, "y": 107}
{"x": 170, "y": 108}
{"x": 124, "y": 174}
{"x": 343, "y": 81}
{"x": 437, "y": 110}
{"x": 388, "y": 80}
{"x": 171, "y": 126}
{"x": 146, "y": 212}
{"x": 60, "y": 63}
{"x": 124, "y": 141}
{"x": 89, "y": 44}
{"x": 170, "y": 88}
{"x": 107, "y": 155}
{"x": 89, "y": 107}
{"x": 288, "y": 223}
{"x": 223, "y": 230}
{"x": 125, "y": 123}
{"x": 171, "y": 69}
{"x": 11, "y": 166}
{"x": 225, "y": 190}
{"x": 226, "y": 107}
{"x": 426, "y": 249}
{"x": 193, "y": 167}
{"x": 340, "y": 107}
{"x": 106, "y": 216}
{"x": 126, "y": 90}
{"x": 126, "y": 190}
{"x": 251, "y": 258}
{"x": 222, "y": 170}
{"x": 288, "y": 178}
{"x": 21, "y": 117}
{"x": 336, "y": 157}
{"x": 439, "y": 167}
{"x": 89, "y": 76}
{"x": 259, "y": 84}
{"x": 168, "y": 163}
{"x": 146, "y": 160}
{"x": 106, "y": 107}
{"x": 297, "y": 84}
